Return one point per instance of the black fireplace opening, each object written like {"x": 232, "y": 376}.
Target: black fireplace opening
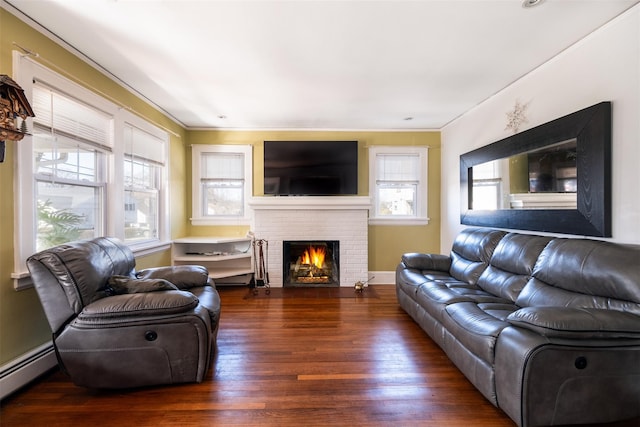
{"x": 312, "y": 263}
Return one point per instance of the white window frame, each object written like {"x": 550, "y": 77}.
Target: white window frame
{"x": 420, "y": 217}
{"x": 26, "y": 71}
{"x": 164, "y": 213}
{"x": 197, "y": 151}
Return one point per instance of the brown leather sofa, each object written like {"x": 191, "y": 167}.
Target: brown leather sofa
{"x": 114, "y": 327}
{"x": 547, "y": 329}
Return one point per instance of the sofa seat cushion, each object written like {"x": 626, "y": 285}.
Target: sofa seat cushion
{"x": 474, "y": 328}
{"x": 578, "y": 323}
{"x": 500, "y": 311}
{"x": 440, "y": 292}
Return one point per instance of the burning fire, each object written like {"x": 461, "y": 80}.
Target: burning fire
{"x": 314, "y": 256}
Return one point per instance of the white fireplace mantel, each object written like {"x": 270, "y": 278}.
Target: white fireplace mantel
{"x": 310, "y": 202}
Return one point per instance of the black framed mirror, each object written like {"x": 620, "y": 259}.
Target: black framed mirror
{"x": 574, "y": 152}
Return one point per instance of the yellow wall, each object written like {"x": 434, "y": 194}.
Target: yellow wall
{"x": 22, "y": 322}
{"x": 386, "y": 243}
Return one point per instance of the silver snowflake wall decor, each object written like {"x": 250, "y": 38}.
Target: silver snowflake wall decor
{"x": 516, "y": 117}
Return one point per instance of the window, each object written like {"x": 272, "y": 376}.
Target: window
{"x": 143, "y": 169}
{"x": 398, "y": 185}
{"x": 70, "y": 171}
{"x": 221, "y": 184}
{"x": 70, "y": 142}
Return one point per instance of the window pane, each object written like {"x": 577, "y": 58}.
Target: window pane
{"x": 63, "y": 158}
{"x": 141, "y": 215}
{"x": 140, "y": 174}
{"x": 223, "y": 165}
{"x": 67, "y": 212}
{"x": 397, "y": 200}
{"x": 397, "y": 167}
{"x": 486, "y": 195}
{"x": 223, "y": 198}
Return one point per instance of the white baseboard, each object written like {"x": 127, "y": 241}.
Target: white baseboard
{"x": 382, "y": 278}
{"x": 21, "y": 371}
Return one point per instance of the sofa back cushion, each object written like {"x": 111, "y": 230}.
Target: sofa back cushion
{"x": 471, "y": 252}
{"x": 512, "y": 264}
{"x": 81, "y": 269}
{"x": 585, "y": 273}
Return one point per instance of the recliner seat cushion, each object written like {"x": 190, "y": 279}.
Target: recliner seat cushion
{"x": 139, "y": 304}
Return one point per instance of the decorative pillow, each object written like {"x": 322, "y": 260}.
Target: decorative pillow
{"x": 118, "y": 285}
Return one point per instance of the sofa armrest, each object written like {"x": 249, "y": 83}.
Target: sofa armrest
{"x": 421, "y": 261}
{"x": 183, "y": 276}
{"x": 580, "y": 323}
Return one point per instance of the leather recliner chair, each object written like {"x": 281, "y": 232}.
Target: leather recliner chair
{"x": 114, "y": 327}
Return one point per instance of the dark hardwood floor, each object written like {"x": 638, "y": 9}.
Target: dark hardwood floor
{"x": 296, "y": 357}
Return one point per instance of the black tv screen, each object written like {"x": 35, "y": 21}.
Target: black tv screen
{"x": 310, "y": 168}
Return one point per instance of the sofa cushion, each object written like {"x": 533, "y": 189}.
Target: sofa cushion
{"x": 83, "y": 267}
{"x": 500, "y": 311}
{"x": 409, "y": 280}
{"x": 471, "y": 252}
{"x": 585, "y": 273}
{"x": 476, "y": 329}
{"x": 511, "y": 264}
{"x": 579, "y": 323}
{"x": 591, "y": 267}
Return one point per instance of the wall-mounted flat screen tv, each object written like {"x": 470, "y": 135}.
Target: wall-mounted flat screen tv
{"x": 310, "y": 168}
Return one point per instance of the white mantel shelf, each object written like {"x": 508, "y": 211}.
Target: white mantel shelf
{"x": 310, "y": 202}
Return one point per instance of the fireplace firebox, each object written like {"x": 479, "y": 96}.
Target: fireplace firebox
{"x": 313, "y": 263}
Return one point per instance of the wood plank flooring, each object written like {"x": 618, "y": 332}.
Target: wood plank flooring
{"x": 292, "y": 358}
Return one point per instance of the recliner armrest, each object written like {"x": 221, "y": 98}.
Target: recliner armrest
{"x": 580, "y": 323}
{"x": 183, "y": 276}
{"x": 421, "y": 261}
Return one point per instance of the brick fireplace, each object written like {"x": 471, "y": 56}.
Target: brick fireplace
{"x": 343, "y": 219}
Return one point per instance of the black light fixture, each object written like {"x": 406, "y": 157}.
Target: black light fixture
{"x": 13, "y": 104}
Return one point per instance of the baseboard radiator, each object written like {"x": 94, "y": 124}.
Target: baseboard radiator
{"x": 21, "y": 371}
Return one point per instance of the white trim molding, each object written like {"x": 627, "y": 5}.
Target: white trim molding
{"x": 21, "y": 371}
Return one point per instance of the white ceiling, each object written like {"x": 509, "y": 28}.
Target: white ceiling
{"x": 318, "y": 64}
